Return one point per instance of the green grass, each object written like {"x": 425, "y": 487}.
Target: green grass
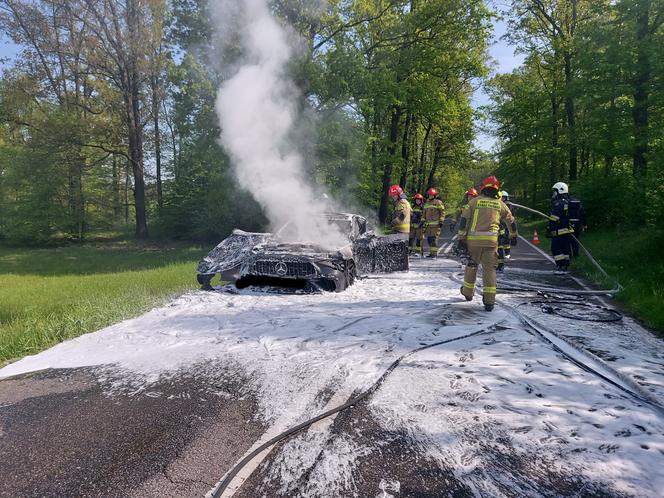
{"x": 50, "y": 295}
{"x": 633, "y": 258}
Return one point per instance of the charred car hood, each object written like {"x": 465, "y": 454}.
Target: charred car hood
{"x": 277, "y": 249}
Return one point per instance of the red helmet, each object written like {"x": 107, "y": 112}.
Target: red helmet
{"x": 419, "y": 196}
{"x": 395, "y": 191}
{"x": 472, "y": 192}
{"x": 490, "y": 182}
{"x": 432, "y": 192}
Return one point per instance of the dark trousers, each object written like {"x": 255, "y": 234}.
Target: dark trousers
{"x": 561, "y": 247}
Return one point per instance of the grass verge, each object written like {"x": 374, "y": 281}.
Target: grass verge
{"x": 50, "y": 295}
{"x": 632, "y": 257}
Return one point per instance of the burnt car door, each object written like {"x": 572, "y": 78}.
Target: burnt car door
{"x": 380, "y": 254}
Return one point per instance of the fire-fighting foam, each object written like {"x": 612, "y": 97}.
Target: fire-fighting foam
{"x": 257, "y": 110}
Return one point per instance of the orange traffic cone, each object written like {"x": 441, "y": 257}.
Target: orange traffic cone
{"x": 536, "y": 240}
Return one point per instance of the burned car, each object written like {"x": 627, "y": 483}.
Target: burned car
{"x": 269, "y": 260}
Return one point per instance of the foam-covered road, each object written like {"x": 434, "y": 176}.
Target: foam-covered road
{"x": 165, "y": 404}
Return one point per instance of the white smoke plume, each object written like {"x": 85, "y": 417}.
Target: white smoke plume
{"x": 257, "y": 110}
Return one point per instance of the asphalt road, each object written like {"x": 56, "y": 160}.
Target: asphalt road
{"x": 71, "y": 432}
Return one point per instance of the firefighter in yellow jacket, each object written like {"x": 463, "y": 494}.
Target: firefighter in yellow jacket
{"x": 401, "y": 213}
{"x": 433, "y": 216}
{"x": 478, "y": 235}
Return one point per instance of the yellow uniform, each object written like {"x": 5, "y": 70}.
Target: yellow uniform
{"x": 433, "y": 215}
{"x": 479, "y": 227}
{"x": 401, "y": 217}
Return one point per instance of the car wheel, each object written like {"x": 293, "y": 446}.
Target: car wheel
{"x": 204, "y": 280}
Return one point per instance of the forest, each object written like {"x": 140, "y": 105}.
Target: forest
{"x": 108, "y": 111}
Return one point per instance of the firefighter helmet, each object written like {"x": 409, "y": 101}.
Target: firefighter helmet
{"x": 505, "y": 195}
{"x": 432, "y": 192}
{"x": 490, "y": 182}
{"x": 560, "y": 188}
{"x": 395, "y": 191}
{"x": 472, "y": 192}
{"x": 419, "y": 196}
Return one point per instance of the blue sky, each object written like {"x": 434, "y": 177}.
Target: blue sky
{"x": 505, "y": 61}
{"x": 7, "y": 49}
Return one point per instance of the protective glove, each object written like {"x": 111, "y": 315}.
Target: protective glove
{"x": 461, "y": 246}
{"x": 513, "y": 241}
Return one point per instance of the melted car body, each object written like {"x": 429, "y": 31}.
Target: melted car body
{"x": 267, "y": 260}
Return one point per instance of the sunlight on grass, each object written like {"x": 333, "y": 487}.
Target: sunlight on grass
{"x": 58, "y": 296}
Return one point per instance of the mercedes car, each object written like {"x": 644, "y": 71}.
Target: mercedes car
{"x": 267, "y": 260}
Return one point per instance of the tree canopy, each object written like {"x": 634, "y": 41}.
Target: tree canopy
{"x": 107, "y": 115}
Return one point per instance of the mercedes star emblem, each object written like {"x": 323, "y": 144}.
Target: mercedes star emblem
{"x": 281, "y": 268}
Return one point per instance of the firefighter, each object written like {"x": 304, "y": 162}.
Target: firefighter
{"x": 560, "y": 227}
{"x": 416, "y": 225}
{"x": 433, "y": 215}
{"x": 478, "y": 236}
{"x": 470, "y": 193}
{"x": 401, "y": 213}
{"x": 504, "y": 241}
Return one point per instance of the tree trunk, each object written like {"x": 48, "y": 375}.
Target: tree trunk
{"x": 571, "y": 118}
{"x": 389, "y": 162}
{"x": 117, "y": 199}
{"x": 405, "y": 151}
{"x": 423, "y": 153}
{"x": 81, "y": 224}
{"x": 641, "y": 83}
{"x": 126, "y": 192}
{"x": 134, "y": 125}
{"x": 553, "y": 169}
{"x": 437, "y": 157}
{"x": 609, "y": 151}
{"x": 76, "y": 198}
{"x": 374, "y": 143}
{"x": 157, "y": 136}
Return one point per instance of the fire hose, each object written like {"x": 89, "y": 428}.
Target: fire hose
{"x": 219, "y": 489}
{"x": 617, "y": 287}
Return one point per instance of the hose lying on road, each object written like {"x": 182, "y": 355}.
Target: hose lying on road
{"x": 626, "y": 385}
{"x": 545, "y": 301}
{"x": 603, "y": 314}
{"x": 546, "y": 289}
{"x": 618, "y": 287}
{"x": 226, "y": 481}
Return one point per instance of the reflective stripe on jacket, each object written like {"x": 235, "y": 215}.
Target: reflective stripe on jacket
{"x": 560, "y": 223}
{"x": 401, "y": 217}
{"x": 434, "y": 213}
{"x": 481, "y": 218}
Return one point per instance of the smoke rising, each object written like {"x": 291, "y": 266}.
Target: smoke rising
{"x": 257, "y": 110}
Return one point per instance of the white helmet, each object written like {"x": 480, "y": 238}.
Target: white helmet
{"x": 561, "y": 188}
{"x": 504, "y": 194}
